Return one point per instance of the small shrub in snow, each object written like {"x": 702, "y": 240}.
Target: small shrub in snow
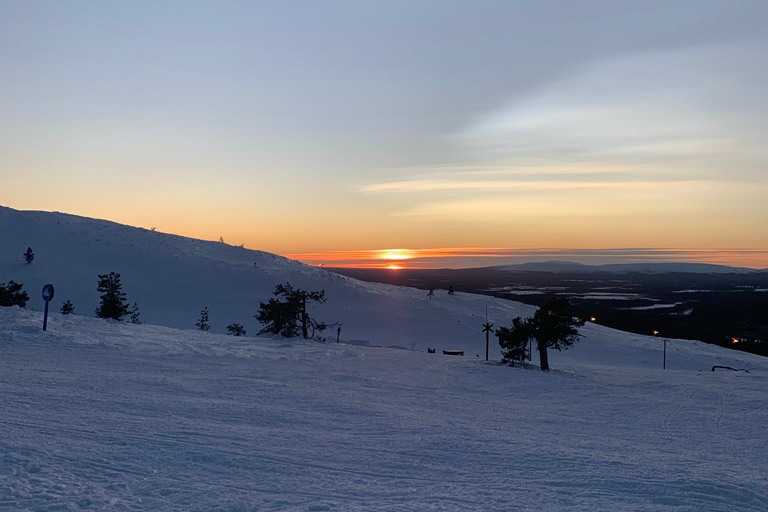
{"x": 135, "y": 314}
{"x": 68, "y": 308}
{"x": 236, "y": 329}
{"x": 202, "y": 323}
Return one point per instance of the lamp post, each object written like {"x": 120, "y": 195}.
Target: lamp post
{"x": 665, "y": 340}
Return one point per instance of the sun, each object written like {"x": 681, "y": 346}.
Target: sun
{"x": 395, "y": 254}
{"x": 394, "y": 266}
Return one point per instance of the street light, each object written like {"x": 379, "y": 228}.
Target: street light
{"x": 665, "y": 340}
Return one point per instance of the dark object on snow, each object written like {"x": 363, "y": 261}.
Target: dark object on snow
{"x": 450, "y": 290}
{"x": 729, "y": 368}
{"x": 430, "y": 350}
{"x": 29, "y": 255}
{"x": 453, "y": 352}
{"x": 724, "y": 368}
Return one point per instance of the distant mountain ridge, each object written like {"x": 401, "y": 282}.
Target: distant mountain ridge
{"x": 624, "y": 268}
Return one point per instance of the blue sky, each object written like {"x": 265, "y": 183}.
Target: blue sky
{"x": 330, "y": 126}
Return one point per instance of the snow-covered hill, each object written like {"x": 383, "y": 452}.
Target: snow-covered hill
{"x": 97, "y": 415}
{"x": 172, "y": 278}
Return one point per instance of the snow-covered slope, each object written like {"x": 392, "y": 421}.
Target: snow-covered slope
{"x": 98, "y": 415}
{"x": 172, "y": 278}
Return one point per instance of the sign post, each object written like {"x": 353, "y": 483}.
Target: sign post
{"x": 47, "y": 297}
{"x": 487, "y": 328}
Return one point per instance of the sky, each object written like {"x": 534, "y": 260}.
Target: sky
{"x": 461, "y": 133}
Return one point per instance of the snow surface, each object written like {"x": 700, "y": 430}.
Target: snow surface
{"x": 97, "y": 415}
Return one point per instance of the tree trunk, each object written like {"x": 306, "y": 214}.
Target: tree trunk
{"x": 543, "y": 358}
{"x": 304, "y": 329}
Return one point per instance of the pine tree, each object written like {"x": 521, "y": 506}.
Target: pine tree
{"x": 67, "y": 308}
{"x": 555, "y": 328}
{"x": 113, "y": 304}
{"x": 550, "y": 327}
{"x": 29, "y": 255}
{"x": 135, "y": 314}
{"x": 287, "y": 314}
{"x": 12, "y": 295}
{"x": 236, "y": 329}
{"x": 514, "y": 340}
{"x": 202, "y": 323}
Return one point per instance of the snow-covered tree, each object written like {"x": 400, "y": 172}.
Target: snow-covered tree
{"x": 113, "y": 304}
{"x": 202, "y": 323}
{"x": 68, "y": 308}
{"x": 29, "y": 255}
{"x": 12, "y": 295}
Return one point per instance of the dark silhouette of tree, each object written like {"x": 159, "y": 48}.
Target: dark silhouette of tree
{"x": 29, "y": 255}
{"x": 113, "y": 304}
{"x": 68, "y": 308}
{"x": 514, "y": 340}
{"x": 286, "y": 314}
{"x": 431, "y": 293}
{"x": 135, "y": 314}
{"x": 450, "y": 290}
{"x": 552, "y": 326}
{"x": 202, "y": 323}
{"x": 12, "y": 295}
{"x": 236, "y": 329}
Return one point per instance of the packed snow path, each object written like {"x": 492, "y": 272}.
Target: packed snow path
{"x": 101, "y": 416}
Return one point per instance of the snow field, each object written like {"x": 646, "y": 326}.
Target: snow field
{"x": 97, "y": 415}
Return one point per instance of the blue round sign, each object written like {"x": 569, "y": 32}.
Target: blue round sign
{"x": 47, "y": 292}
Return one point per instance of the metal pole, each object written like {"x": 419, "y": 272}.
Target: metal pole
{"x": 665, "y": 354}
{"x": 45, "y": 317}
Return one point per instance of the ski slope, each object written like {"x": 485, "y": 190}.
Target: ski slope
{"x": 97, "y": 415}
{"x": 172, "y": 278}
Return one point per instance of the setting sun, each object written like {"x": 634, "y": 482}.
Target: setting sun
{"x": 396, "y": 254}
